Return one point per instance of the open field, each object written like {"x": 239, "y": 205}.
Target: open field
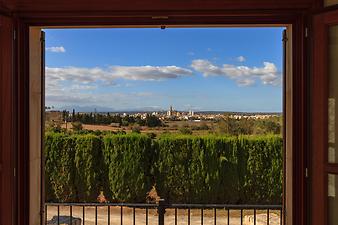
{"x": 171, "y": 126}
{"x": 140, "y": 216}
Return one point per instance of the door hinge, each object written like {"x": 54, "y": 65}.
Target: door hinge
{"x": 306, "y": 172}
{"x": 42, "y": 37}
{"x": 285, "y": 36}
{"x": 42, "y": 210}
{"x": 306, "y": 32}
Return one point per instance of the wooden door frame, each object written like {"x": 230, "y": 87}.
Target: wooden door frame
{"x": 299, "y": 81}
{"x": 320, "y": 88}
{"x": 7, "y": 123}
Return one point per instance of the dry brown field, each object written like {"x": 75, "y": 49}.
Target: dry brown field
{"x": 171, "y": 127}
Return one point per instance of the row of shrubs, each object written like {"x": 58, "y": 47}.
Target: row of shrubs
{"x": 183, "y": 169}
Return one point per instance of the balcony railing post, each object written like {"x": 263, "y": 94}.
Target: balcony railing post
{"x": 161, "y": 206}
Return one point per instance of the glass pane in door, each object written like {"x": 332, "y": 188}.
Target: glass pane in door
{"x": 333, "y": 95}
{"x": 330, "y": 2}
{"x": 333, "y": 124}
{"x": 333, "y": 199}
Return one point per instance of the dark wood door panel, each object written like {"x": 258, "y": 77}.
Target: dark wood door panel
{"x": 6, "y": 118}
{"x": 320, "y": 116}
{"x": 137, "y": 5}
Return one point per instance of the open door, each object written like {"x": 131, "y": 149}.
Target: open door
{"x": 36, "y": 124}
{"x": 324, "y": 210}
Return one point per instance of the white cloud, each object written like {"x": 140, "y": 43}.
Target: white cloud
{"x": 68, "y": 96}
{"x": 59, "y": 49}
{"x": 77, "y": 74}
{"x": 243, "y": 75}
{"x": 148, "y": 72}
{"x": 108, "y": 75}
{"x": 143, "y": 94}
{"x": 241, "y": 58}
{"x": 78, "y": 87}
{"x": 79, "y": 84}
{"x": 245, "y": 82}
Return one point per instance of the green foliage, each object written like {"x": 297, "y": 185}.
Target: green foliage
{"x": 153, "y": 121}
{"x": 129, "y": 159}
{"x": 89, "y": 167}
{"x": 219, "y": 169}
{"x": 53, "y": 127}
{"x": 249, "y": 126}
{"x": 136, "y": 129}
{"x": 269, "y": 126}
{"x": 185, "y": 130}
{"x": 151, "y": 135}
{"x": 106, "y": 119}
{"x": 184, "y": 168}
{"x": 59, "y": 167}
{"x": 195, "y": 169}
{"x": 263, "y": 168}
{"x": 203, "y": 126}
{"x": 77, "y": 126}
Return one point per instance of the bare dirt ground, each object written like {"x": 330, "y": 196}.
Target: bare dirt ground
{"x": 172, "y": 127}
{"x": 92, "y": 127}
{"x": 140, "y": 216}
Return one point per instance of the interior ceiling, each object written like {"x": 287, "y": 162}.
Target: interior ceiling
{"x": 150, "y": 5}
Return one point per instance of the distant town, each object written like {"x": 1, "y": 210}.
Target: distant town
{"x": 170, "y": 114}
{"x": 169, "y": 121}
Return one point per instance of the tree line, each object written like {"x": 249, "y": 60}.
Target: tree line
{"x": 107, "y": 119}
{"x": 249, "y": 126}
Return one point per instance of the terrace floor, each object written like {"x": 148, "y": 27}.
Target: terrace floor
{"x": 140, "y": 216}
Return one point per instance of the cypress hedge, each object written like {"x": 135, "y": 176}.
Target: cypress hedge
{"x": 262, "y": 172}
{"x": 220, "y": 169}
{"x": 194, "y": 169}
{"x": 129, "y": 159}
{"x": 183, "y": 168}
{"x": 89, "y": 167}
{"x": 59, "y": 167}
{"x": 74, "y": 167}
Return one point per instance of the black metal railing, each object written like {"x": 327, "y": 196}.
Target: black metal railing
{"x": 63, "y": 213}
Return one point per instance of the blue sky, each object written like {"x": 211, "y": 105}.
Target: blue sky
{"x": 221, "y": 69}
